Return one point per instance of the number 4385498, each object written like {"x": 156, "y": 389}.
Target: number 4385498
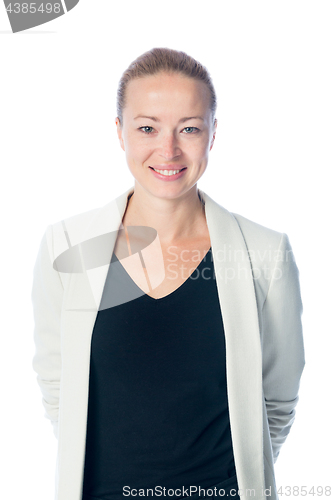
{"x": 25, "y": 8}
{"x": 303, "y": 490}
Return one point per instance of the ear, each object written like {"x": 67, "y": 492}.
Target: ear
{"x": 214, "y": 134}
{"x": 120, "y": 133}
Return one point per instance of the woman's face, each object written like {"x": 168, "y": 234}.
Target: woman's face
{"x": 167, "y": 122}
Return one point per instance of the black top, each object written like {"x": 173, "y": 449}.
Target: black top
{"x": 158, "y": 408}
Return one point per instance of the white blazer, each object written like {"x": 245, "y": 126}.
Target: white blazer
{"x": 259, "y": 294}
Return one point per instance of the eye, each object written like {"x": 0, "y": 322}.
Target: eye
{"x": 144, "y": 129}
{"x": 191, "y": 130}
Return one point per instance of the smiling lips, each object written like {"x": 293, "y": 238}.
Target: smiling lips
{"x": 168, "y": 170}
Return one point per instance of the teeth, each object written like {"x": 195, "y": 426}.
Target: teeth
{"x": 166, "y": 172}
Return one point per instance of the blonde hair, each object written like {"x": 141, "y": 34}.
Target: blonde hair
{"x": 163, "y": 59}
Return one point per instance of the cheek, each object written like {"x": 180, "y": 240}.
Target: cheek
{"x": 138, "y": 152}
{"x": 199, "y": 150}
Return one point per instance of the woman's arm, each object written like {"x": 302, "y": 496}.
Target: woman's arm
{"x": 283, "y": 350}
{"x": 47, "y": 295}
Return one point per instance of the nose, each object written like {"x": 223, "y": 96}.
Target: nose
{"x": 169, "y": 147}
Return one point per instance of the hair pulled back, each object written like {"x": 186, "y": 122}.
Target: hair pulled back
{"x": 158, "y": 60}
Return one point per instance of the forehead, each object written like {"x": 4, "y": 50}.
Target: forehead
{"x": 166, "y": 91}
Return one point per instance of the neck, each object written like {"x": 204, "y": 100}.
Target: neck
{"x": 175, "y": 220}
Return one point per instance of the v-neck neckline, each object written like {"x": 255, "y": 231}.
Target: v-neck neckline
{"x": 170, "y": 295}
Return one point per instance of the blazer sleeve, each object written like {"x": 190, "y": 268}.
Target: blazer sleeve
{"x": 283, "y": 349}
{"x": 47, "y": 295}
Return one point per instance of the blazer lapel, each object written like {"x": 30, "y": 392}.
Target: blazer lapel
{"x": 243, "y": 349}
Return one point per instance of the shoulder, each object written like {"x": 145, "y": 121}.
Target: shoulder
{"x": 267, "y": 247}
{"x": 68, "y": 231}
{"x": 79, "y": 219}
{"x": 269, "y": 250}
{"x": 101, "y": 218}
{"x": 257, "y": 235}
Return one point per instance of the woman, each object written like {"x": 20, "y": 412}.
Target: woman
{"x": 168, "y": 333}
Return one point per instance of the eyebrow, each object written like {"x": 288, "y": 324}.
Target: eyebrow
{"x": 182, "y": 120}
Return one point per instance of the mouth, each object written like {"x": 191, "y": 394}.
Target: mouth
{"x": 168, "y": 172}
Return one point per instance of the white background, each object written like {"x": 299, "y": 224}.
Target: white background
{"x": 271, "y": 63}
